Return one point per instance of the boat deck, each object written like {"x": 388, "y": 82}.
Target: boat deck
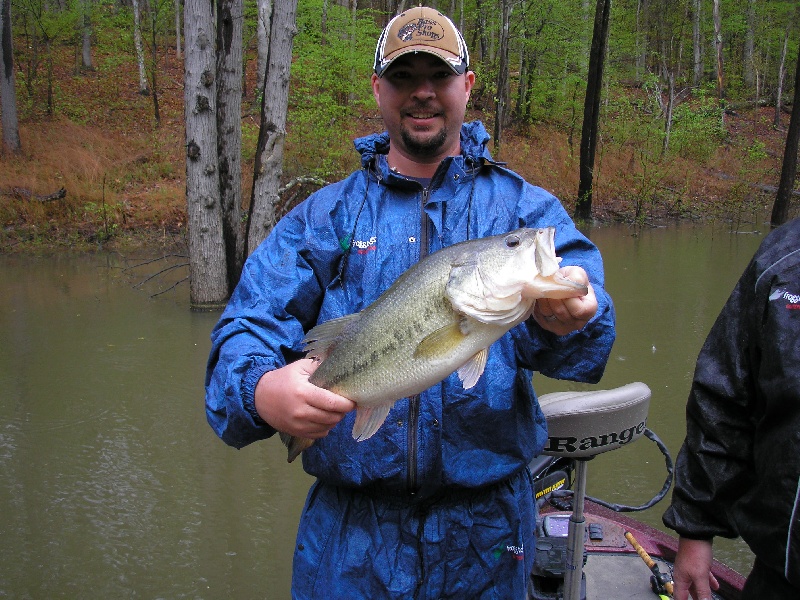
{"x": 615, "y": 572}
{"x": 619, "y": 576}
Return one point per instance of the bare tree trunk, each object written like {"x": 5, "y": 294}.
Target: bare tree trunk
{"x": 697, "y": 44}
{"x": 208, "y": 283}
{"x": 501, "y": 102}
{"x": 351, "y": 96}
{"x": 591, "y": 110}
{"x": 86, "y": 35}
{"x": 229, "y": 131}
{"x": 8, "y": 89}
{"x": 718, "y": 46}
{"x": 484, "y": 44}
{"x": 668, "y": 113}
{"x": 269, "y": 153}
{"x": 641, "y": 40}
{"x": 137, "y": 42}
{"x": 586, "y": 41}
{"x": 263, "y": 33}
{"x": 748, "y": 59}
{"x": 178, "y": 28}
{"x": 780, "y": 210}
{"x": 781, "y": 75}
{"x": 154, "y": 65}
{"x": 50, "y": 105}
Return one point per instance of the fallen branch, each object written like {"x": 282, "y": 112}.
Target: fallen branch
{"x": 26, "y": 194}
{"x": 771, "y": 189}
{"x": 161, "y": 272}
{"x": 287, "y": 200}
{"x": 299, "y": 181}
{"x": 172, "y": 287}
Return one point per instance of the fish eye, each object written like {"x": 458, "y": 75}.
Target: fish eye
{"x": 512, "y": 241}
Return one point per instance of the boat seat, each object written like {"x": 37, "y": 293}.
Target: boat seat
{"x": 584, "y": 424}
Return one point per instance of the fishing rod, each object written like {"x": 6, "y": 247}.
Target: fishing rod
{"x": 660, "y": 581}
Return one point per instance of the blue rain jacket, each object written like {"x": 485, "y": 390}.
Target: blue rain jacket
{"x": 439, "y": 498}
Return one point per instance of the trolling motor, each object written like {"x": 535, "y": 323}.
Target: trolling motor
{"x": 581, "y": 425}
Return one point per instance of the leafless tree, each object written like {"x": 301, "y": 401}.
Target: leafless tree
{"x": 269, "y": 153}
{"x": 780, "y": 209}
{"x": 8, "y": 90}
{"x": 137, "y": 42}
{"x": 591, "y": 110}
{"x": 208, "y": 281}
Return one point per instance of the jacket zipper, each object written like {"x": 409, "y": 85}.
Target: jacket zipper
{"x": 413, "y": 403}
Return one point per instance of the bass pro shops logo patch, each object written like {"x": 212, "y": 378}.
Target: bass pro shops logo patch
{"x": 421, "y": 30}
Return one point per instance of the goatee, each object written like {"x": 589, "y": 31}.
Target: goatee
{"x": 425, "y": 148}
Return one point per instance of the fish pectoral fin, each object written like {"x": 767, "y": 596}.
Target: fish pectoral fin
{"x": 369, "y": 420}
{"x": 471, "y": 371}
{"x": 321, "y": 338}
{"x": 295, "y": 445}
{"x": 441, "y": 342}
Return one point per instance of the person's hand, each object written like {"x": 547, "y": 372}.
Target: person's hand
{"x": 286, "y": 400}
{"x": 692, "y": 570}
{"x": 568, "y": 315}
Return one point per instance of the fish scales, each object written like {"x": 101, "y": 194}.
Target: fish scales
{"x": 412, "y": 309}
{"x": 440, "y": 316}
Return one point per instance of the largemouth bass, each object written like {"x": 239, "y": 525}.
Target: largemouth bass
{"x": 440, "y": 316}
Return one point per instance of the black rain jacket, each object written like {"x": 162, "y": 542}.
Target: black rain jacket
{"x": 738, "y": 472}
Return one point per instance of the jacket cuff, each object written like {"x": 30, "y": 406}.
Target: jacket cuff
{"x": 249, "y": 382}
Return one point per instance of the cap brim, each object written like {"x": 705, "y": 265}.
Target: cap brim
{"x": 451, "y": 60}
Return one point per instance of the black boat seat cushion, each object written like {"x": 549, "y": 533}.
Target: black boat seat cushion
{"x": 584, "y": 424}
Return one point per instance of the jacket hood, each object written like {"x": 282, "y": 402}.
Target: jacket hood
{"x": 473, "y": 144}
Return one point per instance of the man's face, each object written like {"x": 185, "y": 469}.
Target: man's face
{"x": 423, "y": 102}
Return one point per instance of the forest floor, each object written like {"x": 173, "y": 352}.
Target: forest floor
{"x": 123, "y": 181}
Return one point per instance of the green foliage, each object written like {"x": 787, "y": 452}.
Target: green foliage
{"x": 757, "y": 150}
{"x": 103, "y": 217}
{"x": 632, "y": 128}
{"x": 330, "y": 86}
{"x": 249, "y": 141}
{"x": 555, "y": 39}
{"x": 331, "y": 100}
{"x": 698, "y": 127}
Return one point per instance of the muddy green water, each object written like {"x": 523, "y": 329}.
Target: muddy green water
{"x": 113, "y": 486}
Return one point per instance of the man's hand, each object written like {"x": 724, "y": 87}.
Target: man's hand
{"x": 286, "y": 400}
{"x": 692, "y": 570}
{"x": 565, "y": 316}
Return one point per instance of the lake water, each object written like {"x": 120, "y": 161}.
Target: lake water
{"x": 112, "y": 485}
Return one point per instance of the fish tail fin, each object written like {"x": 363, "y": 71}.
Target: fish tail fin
{"x": 369, "y": 420}
{"x": 295, "y": 445}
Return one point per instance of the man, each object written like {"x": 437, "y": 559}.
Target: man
{"x": 738, "y": 472}
{"x": 438, "y": 503}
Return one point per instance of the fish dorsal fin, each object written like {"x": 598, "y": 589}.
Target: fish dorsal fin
{"x": 369, "y": 420}
{"x": 471, "y": 371}
{"x": 482, "y": 299}
{"x": 441, "y": 342}
{"x": 321, "y": 338}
